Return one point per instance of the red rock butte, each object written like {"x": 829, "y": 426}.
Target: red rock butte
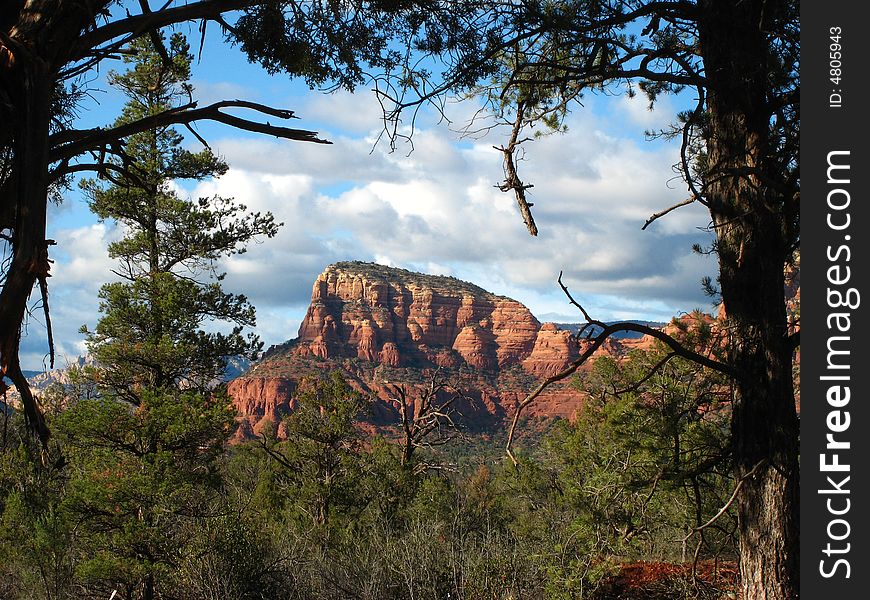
{"x": 382, "y": 325}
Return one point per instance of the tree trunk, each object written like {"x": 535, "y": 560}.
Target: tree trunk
{"x": 148, "y": 592}
{"x": 39, "y": 36}
{"x": 753, "y": 247}
{"x": 29, "y": 183}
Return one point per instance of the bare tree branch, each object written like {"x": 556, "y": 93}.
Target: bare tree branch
{"x": 684, "y": 147}
{"x": 728, "y": 504}
{"x": 512, "y": 180}
{"x": 106, "y": 170}
{"x": 69, "y": 144}
{"x": 597, "y": 341}
{"x": 662, "y": 213}
{"x": 42, "y": 278}
{"x": 418, "y": 423}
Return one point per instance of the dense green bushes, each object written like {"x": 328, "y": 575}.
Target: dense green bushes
{"x": 152, "y": 503}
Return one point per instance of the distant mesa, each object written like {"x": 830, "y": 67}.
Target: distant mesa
{"x": 383, "y": 326}
{"x": 373, "y": 312}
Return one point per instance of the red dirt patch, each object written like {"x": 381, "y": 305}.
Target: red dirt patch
{"x": 661, "y": 580}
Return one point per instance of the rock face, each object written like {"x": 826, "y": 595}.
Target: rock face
{"x": 554, "y": 350}
{"x": 382, "y": 314}
{"x": 261, "y": 401}
{"x": 383, "y": 326}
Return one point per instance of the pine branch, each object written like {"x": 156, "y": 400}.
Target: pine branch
{"x": 71, "y": 143}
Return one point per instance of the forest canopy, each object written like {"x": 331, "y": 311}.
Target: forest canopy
{"x": 528, "y": 62}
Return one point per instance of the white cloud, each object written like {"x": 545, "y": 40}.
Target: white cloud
{"x": 438, "y": 210}
{"x": 637, "y": 110}
{"x": 342, "y": 111}
{"x": 209, "y": 92}
{"x": 82, "y": 252}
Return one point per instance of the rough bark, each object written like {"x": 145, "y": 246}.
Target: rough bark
{"x": 29, "y": 259}
{"x": 35, "y": 36}
{"x": 753, "y": 246}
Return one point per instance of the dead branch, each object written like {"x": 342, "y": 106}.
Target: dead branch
{"x": 427, "y": 417}
{"x": 197, "y": 136}
{"x": 71, "y": 143}
{"x": 728, "y": 504}
{"x": 589, "y": 320}
{"x": 597, "y": 341}
{"x": 512, "y": 180}
{"x": 652, "y": 491}
{"x": 662, "y": 213}
{"x": 42, "y": 277}
{"x": 684, "y": 146}
{"x": 424, "y": 467}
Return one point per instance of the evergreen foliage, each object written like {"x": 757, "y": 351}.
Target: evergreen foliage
{"x": 320, "y": 465}
{"x": 151, "y": 333}
{"x": 152, "y": 494}
{"x": 530, "y": 61}
{"x": 142, "y": 457}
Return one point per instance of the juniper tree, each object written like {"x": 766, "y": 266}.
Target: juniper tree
{"x": 321, "y": 463}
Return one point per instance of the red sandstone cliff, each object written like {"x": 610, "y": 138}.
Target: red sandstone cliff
{"x": 382, "y": 326}
{"x": 554, "y": 350}
{"x": 382, "y": 314}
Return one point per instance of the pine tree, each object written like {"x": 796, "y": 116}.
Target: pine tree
{"x": 143, "y": 455}
{"x": 150, "y": 334}
{"x": 322, "y": 462}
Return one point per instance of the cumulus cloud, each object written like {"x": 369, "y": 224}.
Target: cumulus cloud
{"x": 209, "y": 92}
{"x": 344, "y": 111}
{"x": 637, "y": 110}
{"x": 438, "y": 210}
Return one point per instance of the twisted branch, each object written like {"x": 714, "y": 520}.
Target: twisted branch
{"x": 68, "y": 144}
{"x": 597, "y": 341}
{"x": 512, "y": 180}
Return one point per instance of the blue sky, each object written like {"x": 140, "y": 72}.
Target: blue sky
{"x": 434, "y": 210}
